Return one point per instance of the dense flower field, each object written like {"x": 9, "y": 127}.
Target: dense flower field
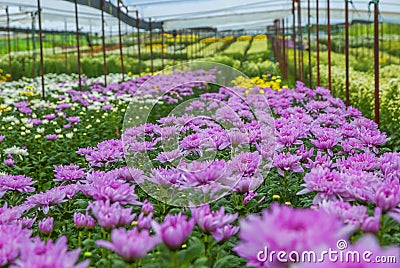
{"x": 196, "y": 175}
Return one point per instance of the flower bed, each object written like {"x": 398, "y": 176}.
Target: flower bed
{"x": 288, "y": 170}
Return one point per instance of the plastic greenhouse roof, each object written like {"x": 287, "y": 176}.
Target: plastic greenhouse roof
{"x": 181, "y": 14}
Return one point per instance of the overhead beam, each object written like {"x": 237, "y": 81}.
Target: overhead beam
{"x": 28, "y": 30}
{"x": 113, "y": 11}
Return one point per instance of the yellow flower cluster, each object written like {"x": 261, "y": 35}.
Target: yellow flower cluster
{"x": 95, "y": 48}
{"x": 244, "y": 38}
{"x": 28, "y": 92}
{"x": 260, "y": 37}
{"x": 5, "y": 108}
{"x": 265, "y": 81}
{"x": 209, "y": 40}
{"x": 227, "y": 38}
{"x": 155, "y": 47}
{"x": 29, "y": 88}
{"x": 4, "y": 77}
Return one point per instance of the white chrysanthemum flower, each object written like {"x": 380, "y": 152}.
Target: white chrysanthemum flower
{"x": 40, "y": 130}
{"x": 15, "y": 150}
{"x": 69, "y": 135}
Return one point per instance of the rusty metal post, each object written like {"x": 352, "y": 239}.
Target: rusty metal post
{"x": 174, "y": 35}
{"x": 346, "y": 47}
{"x": 33, "y": 46}
{"x": 121, "y": 55}
{"x": 284, "y": 50}
{"x": 376, "y": 59}
{"x": 382, "y": 29}
{"x": 187, "y": 44}
{"x": 103, "y": 41}
{"x": 274, "y": 43}
{"x": 151, "y": 47}
{"x": 65, "y": 43}
{"x": 294, "y": 40}
{"x": 329, "y": 45}
{"x": 9, "y": 43}
{"x": 180, "y": 46}
{"x": 78, "y": 44}
{"x": 41, "y": 47}
{"x": 301, "y": 48}
{"x": 162, "y": 48}
{"x": 193, "y": 45}
{"x": 317, "y": 38}
{"x": 215, "y": 36}
{"x": 309, "y": 44}
{"x": 138, "y": 41}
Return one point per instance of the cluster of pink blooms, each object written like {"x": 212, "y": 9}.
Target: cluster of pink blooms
{"x": 308, "y": 132}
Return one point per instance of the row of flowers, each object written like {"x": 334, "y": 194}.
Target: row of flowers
{"x": 290, "y": 170}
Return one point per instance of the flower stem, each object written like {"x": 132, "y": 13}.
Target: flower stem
{"x": 80, "y": 238}
{"x": 175, "y": 260}
{"x": 285, "y": 185}
{"x": 206, "y": 237}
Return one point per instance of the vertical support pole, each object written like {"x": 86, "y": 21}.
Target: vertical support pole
{"x": 151, "y": 47}
{"x": 382, "y": 30}
{"x": 78, "y": 44}
{"x": 346, "y": 47}
{"x": 103, "y": 41}
{"x": 294, "y": 40}
{"x": 376, "y": 60}
{"x": 138, "y": 41}
{"x": 162, "y": 48}
{"x": 301, "y": 47}
{"x": 33, "y": 45}
{"x": 284, "y": 49}
{"x": 174, "y": 35}
{"x": 317, "y": 37}
{"x": 192, "y": 44}
{"x": 41, "y": 47}
{"x": 9, "y": 43}
{"x": 180, "y": 46}
{"x": 121, "y": 55}
{"x": 309, "y": 44}
{"x": 215, "y": 36}
{"x": 186, "y": 46}
{"x": 329, "y": 45}
{"x": 65, "y": 39}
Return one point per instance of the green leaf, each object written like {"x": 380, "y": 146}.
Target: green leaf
{"x": 194, "y": 250}
{"x": 227, "y": 261}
